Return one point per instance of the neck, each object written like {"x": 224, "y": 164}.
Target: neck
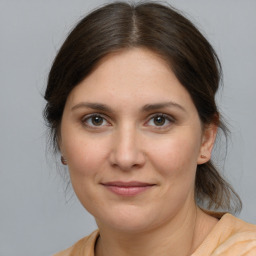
{"x": 179, "y": 236}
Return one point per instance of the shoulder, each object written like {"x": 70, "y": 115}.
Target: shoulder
{"x": 84, "y": 245}
{"x": 230, "y": 236}
{"x": 240, "y": 240}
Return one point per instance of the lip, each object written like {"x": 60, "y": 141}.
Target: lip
{"x": 130, "y": 188}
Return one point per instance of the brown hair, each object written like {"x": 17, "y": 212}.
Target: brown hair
{"x": 165, "y": 31}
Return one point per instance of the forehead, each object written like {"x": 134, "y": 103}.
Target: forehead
{"x": 134, "y": 75}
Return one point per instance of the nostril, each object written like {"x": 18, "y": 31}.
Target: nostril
{"x": 126, "y": 151}
{"x": 127, "y": 161}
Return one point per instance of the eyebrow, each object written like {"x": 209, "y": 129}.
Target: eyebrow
{"x": 150, "y": 107}
{"x": 95, "y": 106}
{"x": 146, "y": 108}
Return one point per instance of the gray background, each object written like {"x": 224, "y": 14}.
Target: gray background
{"x": 37, "y": 216}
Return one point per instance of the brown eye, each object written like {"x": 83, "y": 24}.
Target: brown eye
{"x": 97, "y": 120}
{"x": 159, "y": 120}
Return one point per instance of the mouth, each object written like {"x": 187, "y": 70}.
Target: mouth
{"x": 131, "y": 188}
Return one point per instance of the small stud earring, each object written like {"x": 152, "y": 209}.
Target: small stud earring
{"x": 63, "y": 160}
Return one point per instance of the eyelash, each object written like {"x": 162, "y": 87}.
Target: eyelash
{"x": 89, "y": 117}
{"x": 167, "y": 118}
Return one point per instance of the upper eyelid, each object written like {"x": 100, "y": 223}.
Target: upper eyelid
{"x": 88, "y": 116}
{"x": 94, "y": 114}
{"x": 168, "y": 116}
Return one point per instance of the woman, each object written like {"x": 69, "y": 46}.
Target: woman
{"x": 131, "y": 107}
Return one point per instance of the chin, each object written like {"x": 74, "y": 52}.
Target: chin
{"x": 126, "y": 220}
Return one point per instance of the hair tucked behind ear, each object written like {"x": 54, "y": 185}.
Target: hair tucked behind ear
{"x": 166, "y": 32}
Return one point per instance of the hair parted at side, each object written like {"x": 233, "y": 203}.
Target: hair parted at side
{"x": 162, "y": 29}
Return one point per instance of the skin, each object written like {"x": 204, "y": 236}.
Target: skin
{"x": 128, "y": 144}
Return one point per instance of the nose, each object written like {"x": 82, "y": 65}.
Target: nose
{"x": 127, "y": 153}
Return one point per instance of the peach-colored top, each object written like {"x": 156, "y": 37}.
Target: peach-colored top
{"x": 230, "y": 237}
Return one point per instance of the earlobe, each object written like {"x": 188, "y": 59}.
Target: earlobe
{"x": 59, "y": 144}
{"x": 208, "y": 139}
{"x": 63, "y": 160}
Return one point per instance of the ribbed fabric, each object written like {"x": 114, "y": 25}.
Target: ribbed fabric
{"x": 230, "y": 237}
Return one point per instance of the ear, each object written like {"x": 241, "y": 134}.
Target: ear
{"x": 62, "y": 158}
{"x": 57, "y": 140}
{"x": 208, "y": 139}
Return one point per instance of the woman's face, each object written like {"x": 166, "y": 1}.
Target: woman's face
{"x": 132, "y": 139}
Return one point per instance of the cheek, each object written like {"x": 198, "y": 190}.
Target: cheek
{"x": 85, "y": 155}
{"x": 177, "y": 155}
{"x": 86, "y": 162}
{"x": 176, "y": 162}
